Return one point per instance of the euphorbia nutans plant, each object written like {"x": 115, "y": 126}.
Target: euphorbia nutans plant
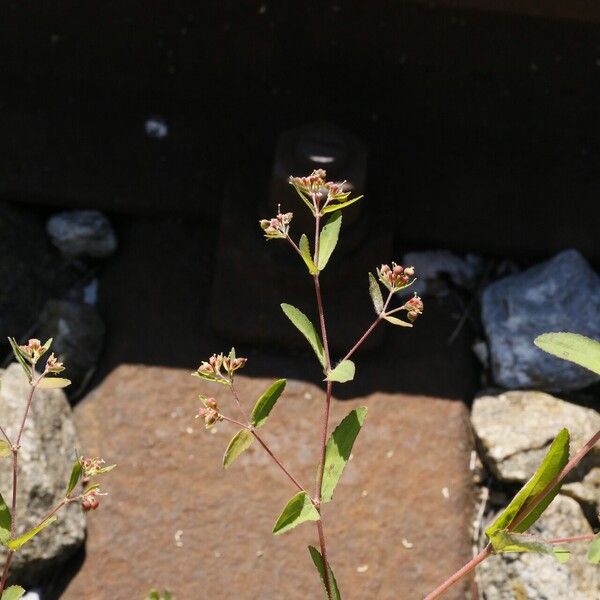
{"x": 326, "y": 201}
{"x": 79, "y": 489}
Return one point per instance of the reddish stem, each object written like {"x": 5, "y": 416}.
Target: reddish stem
{"x": 268, "y": 450}
{"x": 460, "y": 573}
{"x": 576, "y": 538}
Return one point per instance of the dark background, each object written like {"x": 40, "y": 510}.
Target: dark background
{"x": 481, "y": 126}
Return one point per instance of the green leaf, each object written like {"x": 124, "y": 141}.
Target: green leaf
{"x": 593, "y": 554}
{"x": 577, "y": 348}
{"x": 50, "y": 383}
{"x": 298, "y": 510}
{"x": 264, "y": 405}
{"x": 554, "y": 461}
{"x": 5, "y": 521}
{"x": 343, "y": 372}
{"x": 241, "y": 441}
{"x": 18, "y": 542}
{"x": 20, "y": 358}
{"x": 329, "y": 239}
{"x": 508, "y": 541}
{"x": 14, "y": 592}
{"x": 375, "y": 293}
{"x": 306, "y": 257}
{"x": 305, "y": 200}
{"x": 337, "y": 452}
{"x": 153, "y": 595}
{"x": 318, "y": 560}
{"x": 306, "y": 328}
{"x": 396, "y": 321}
{"x": 46, "y": 346}
{"x": 332, "y": 207}
{"x": 75, "y": 475}
{"x": 5, "y": 449}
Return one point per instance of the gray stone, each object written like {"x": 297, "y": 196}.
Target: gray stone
{"x": 562, "y": 294}
{"x": 31, "y": 271}
{"x": 520, "y": 576}
{"x": 82, "y": 233}
{"x": 78, "y": 333}
{"x": 586, "y": 492}
{"x": 45, "y": 459}
{"x": 514, "y": 429}
{"x": 430, "y": 265}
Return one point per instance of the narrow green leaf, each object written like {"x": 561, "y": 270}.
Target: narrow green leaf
{"x": 333, "y": 207}
{"x": 50, "y": 383}
{"x": 306, "y": 257}
{"x": 375, "y": 293}
{"x": 75, "y": 475}
{"x": 5, "y": 521}
{"x": 298, "y": 510}
{"x": 318, "y": 561}
{"x": 266, "y": 402}
{"x": 329, "y": 239}
{"x": 46, "y": 346}
{"x": 337, "y": 452}
{"x": 232, "y": 355}
{"x": 396, "y": 321}
{"x": 306, "y": 201}
{"x": 593, "y": 554}
{"x": 14, "y": 592}
{"x": 577, "y": 348}
{"x": 241, "y": 441}
{"x": 20, "y": 358}
{"x": 556, "y": 458}
{"x": 343, "y": 372}
{"x": 508, "y": 541}
{"x": 306, "y": 328}
{"x": 5, "y": 449}
{"x": 18, "y": 542}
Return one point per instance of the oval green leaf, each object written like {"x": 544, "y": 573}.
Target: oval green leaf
{"x": 49, "y": 383}
{"x": 318, "y": 561}
{"x": 574, "y": 347}
{"x": 5, "y": 521}
{"x": 266, "y": 402}
{"x": 343, "y": 372}
{"x": 522, "y": 504}
{"x": 508, "y": 541}
{"x": 18, "y": 542}
{"x": 306, "y": 257}
{"x": 306, "y": 328}
{"x": 339, "y": 447}
{"x": 14, "y": 592}
{"x": 395, "y": 321}
{"x": 298, "y": 510}
{"x": 5, "y": 449}
{"x": 333, "y": 207}
{"x": 241, "y": 441}
{"x": 75, "y": 475}
{"x": 328, "y": 239}
{"x": 375, "y": 293}
{"x": 593, "y": 554}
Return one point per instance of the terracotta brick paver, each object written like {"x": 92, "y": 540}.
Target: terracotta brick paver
{"x": 174, "y": 519}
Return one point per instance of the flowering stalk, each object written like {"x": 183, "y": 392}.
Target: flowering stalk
{"x": 325, "y": 200}
{"x": 28, "y": 357}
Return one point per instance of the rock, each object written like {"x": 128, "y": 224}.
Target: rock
{"x": 519, "y": 576}
{"x": 185, "y": 524}
{"x": 433, "y": 264}
{"x": 514, "y": 429}
{"x": 562, "y": 294}
{"x": 82, "y": 233}
{"x": 78, "y": 333}
{"x": 47, "y": 451}
{"x": 31, "y": 271}
{"x": 586, "y": 492}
